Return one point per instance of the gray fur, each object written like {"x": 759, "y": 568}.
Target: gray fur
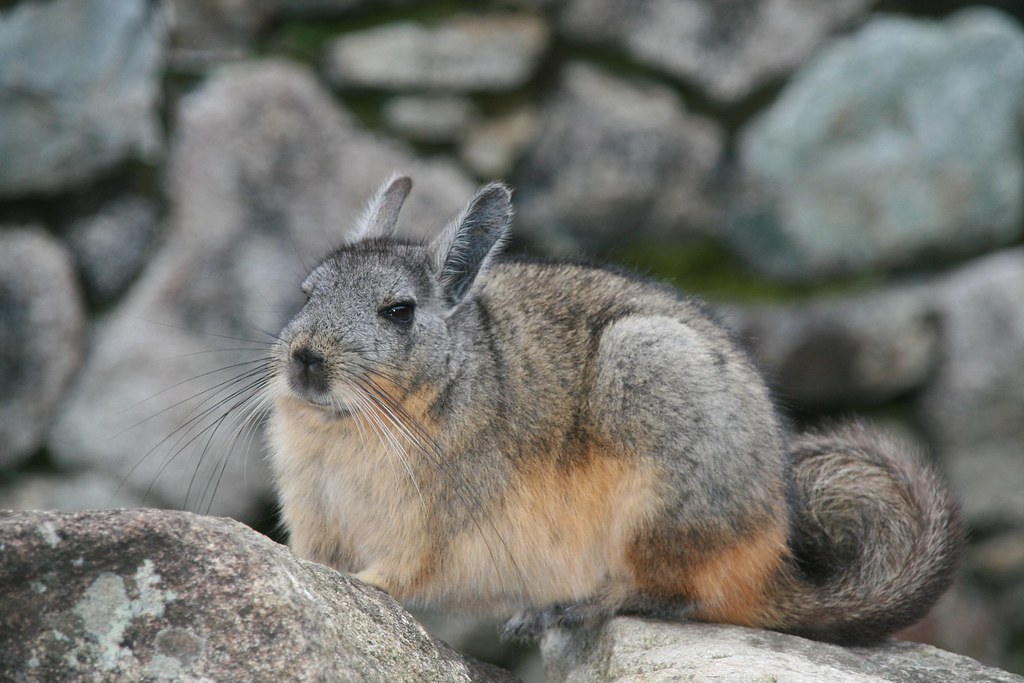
{"x": 533, "y": 375}
{"x": 380, "y": 219}
{"x": 470, "y": 240}
{"x": 881, "y": 528}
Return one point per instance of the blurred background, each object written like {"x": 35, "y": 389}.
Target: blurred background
{"x": 843, "y": 181}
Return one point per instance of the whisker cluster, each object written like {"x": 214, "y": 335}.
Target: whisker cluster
{"x": 387, "y": 415}
{"x": 228, "y": 412}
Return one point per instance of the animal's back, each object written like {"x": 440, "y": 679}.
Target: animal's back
{"x": 624, "y": 375}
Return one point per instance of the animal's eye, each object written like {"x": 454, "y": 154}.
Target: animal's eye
{"x": 399, "y": 313}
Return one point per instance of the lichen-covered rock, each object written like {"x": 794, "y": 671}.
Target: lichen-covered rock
{"x": 42, "y": 327}
{"x": 615, "y": 161}
{"x": 468, "y": 52}
{"x": 134, "y": 595}
{"x": 627, "y": 649}
{"x": 729, "y": 49}
{"x": 266, "y": 176}
{"x": 897, "y": 142}
{"x": 973, "y": 408}
{"x": 79, "y": 88}
{"x": 844, "y": 352}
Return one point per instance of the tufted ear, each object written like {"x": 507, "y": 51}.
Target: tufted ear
{"x": 469, "y": 242}
{"x": 380, "y": 218}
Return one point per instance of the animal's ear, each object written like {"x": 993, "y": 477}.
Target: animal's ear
{"x": 469, "y": 242}
{"x": 380, "y": 218}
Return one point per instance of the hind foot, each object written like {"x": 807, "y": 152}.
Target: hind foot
{"x": 530, "y": 625}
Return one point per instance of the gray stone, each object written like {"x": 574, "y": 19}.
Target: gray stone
{"x": 155, "y": 595}
{"x": 986, "y": 478}
{"x": 616, "y": 161}
{"x": 79, "y": 88}
{"x": 852, "y": 352}
{"x": 965, "y": 620}
{"x": 973, "y": 408}
{"x": 206, "y": 32}
{"x": 628, "y": 649}
{"x": 999, "y": 560}
{"x": 467, "y": 52}
{"x": 727, "y": 47}
{"x": 266, "y": 176}
{"x": 1012, "y": 607}
{"x": 322, "y": 8}
{"x": 435, "y": 119}
{"x": 492, "y": 147}
{"x": 898, "y": 142}
{"x": 77, "y": 491}
{"x": 42, "y": 325}
{"x": 111, "y": 247}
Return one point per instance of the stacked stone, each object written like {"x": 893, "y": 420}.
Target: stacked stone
{"x": 169, "y": 170}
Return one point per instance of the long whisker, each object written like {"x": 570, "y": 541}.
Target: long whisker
{"x": 192, "y": 416}
{"x": 186, "y": 429}
{"x": 419, "y": 437}
{"x": 192, "y": 419}
{"x": 194, "y": 378}
{"x": 257, "y": 413}
{"x": 216, "y": 335}
{"x": 220, "y": 465}
{"x": 400, "y": 452}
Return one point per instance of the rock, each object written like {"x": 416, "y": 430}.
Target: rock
{"x": 729, "y": 49}
{"x": 42, "y": 324}
{"x": 896, "y": 143}
{"x": 857, "y": 351}
{"x": 628, "y": 649}
{"x": 616, "y": 161}
{"x": 322, "y": 8}
{"x": 1013, "y": 608}
{"x": 207, "y": 32}
{"x": 492, "y": 147}
{"x": 266, "y": 176}
{"x": 77, "y": 491}
{"x": 999, "y": 560}
{"x": 468, "y": 52}
{"x": 973, "y": 408}
{"x": 153, "y": 595}
{"x": 79, "y": 89}
{"x": 111, "y": 247}
{"x": 965, "y": 620}
{"x": 986, "y": 479}
{"x": 435, "y": 119}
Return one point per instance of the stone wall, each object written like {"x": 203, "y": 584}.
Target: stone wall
{"x": 844, "y": 180}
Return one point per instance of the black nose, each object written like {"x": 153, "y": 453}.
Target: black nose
{"x": 308, "y": 370}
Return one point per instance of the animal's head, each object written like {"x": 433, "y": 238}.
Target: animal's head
{"x": 378, "y": 310}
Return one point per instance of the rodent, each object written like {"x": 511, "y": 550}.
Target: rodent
{"x": 565, "y": 442}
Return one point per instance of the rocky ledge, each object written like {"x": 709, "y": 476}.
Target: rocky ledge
{"x": 629, "y": 649}
{"x": 131, "y": 595}
{"x": 157, "y": 595}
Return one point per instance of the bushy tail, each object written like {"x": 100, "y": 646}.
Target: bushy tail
{"x": 877, "y": 538}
